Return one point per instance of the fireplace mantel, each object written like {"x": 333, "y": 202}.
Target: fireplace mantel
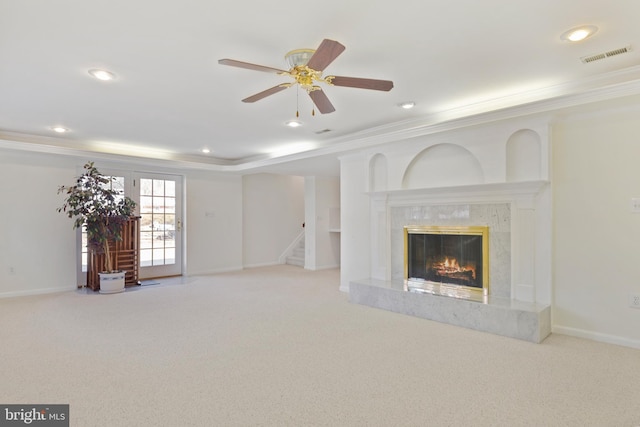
{"x": 528, "y": 225}
{"x": 522, "y": 192}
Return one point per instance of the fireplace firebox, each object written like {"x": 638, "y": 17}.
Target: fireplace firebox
{"x": 453, "y": 259}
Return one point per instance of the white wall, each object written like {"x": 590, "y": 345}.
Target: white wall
{"x": 354, "y": 218}
{"x": 272, "y": 216}
{"x": 596, "y": 237}
{"x": 37, "y": 244}
{"x": 322, "y": 246}
{"x": 214, "y": 222}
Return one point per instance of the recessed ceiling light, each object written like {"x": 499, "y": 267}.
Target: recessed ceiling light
{"x": 103, "y": 75}
{"x": 59, "y": 129}
{"x": 407, "y": 105}
{"x": 206, "y": 150}
{"x": 579, "y": 33}
{"x": 293, "y": 123}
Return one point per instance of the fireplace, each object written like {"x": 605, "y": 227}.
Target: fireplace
{"x": 514, "y": 219}
{"x": 447, "y": 260}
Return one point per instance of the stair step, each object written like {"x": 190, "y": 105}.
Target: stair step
{"x": 297, "y": 254}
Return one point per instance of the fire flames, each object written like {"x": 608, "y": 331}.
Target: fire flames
{"x": 451, "y": 267}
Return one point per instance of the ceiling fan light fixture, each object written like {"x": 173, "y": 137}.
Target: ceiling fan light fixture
{"x": 293, "y": 123}
{"x": 103, "y": 75}
{"x": 579, "y": 33}
{"x": 299, "y": 57}
{"x": 306, "y": 68}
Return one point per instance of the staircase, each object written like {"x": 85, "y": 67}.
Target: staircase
{"x": 297, "y": 254}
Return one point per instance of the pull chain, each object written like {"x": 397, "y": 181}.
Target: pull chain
{"x": 313, "y": 110}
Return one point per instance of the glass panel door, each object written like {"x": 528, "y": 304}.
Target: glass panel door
{"x": 160, "y": 208}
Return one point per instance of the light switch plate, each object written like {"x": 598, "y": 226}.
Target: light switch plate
{"x": 634, "y": 300}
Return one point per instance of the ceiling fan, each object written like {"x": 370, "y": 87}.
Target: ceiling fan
{"x": 306, "y": 69}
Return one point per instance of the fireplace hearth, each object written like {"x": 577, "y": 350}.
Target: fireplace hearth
{"x": 454, "y": 259}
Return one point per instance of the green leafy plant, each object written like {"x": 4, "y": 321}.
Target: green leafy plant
{"x": 102, "y": 210}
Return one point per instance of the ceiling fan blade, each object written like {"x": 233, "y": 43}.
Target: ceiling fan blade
{"x": 385, "y": 85}
{"x": 325, "y": 54}
{"x": 247, "y": 65}
{"x": 265, "y": 93}
{"x": 321, "y": 101}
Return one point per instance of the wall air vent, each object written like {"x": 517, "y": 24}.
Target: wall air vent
{"x": 604, "y": 55}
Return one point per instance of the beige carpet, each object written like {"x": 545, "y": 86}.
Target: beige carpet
{"x": 281, "y": 346}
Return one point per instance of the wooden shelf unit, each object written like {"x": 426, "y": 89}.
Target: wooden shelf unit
{"x": 125, "y": 255}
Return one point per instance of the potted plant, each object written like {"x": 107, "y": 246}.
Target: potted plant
{"x": 103, "y": 212}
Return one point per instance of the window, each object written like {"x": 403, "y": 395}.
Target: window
{"x": 158, "y": 222}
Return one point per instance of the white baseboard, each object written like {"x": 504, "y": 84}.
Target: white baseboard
{"x": 328, "y": 267}
{"x": 324, "y": 267}
{"x": 596, "y": 336}
{"x": 344, "y": 287}
{"x": 263, "y": 264}
{"x": 31, "y": 292}
{"x": 215, "y": 271}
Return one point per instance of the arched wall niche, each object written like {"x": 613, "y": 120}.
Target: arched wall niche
{"x": 443, "y": 165}
{"x": 524, "y": 156}
{"x": 378, "y": 173}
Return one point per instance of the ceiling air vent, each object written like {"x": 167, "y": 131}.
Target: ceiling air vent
{"x": 604, "y": 55}
{"x": 323, "y": 131}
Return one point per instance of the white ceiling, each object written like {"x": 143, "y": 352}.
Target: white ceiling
{"x": 171, "y": 98}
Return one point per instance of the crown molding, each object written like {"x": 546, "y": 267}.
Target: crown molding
{"x": 473, "y": 115}
{"x": 618, "y": 84}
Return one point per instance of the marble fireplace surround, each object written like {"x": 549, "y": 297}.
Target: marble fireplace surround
{"x": 518, "y": 301}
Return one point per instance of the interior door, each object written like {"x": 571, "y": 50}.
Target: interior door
{"x": 159, "y": 199}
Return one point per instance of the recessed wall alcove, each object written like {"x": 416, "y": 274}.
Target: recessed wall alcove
{"x": 524, "y": 152}
{"x": 443, "y": 165}
{"x": 493, "y": 176}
